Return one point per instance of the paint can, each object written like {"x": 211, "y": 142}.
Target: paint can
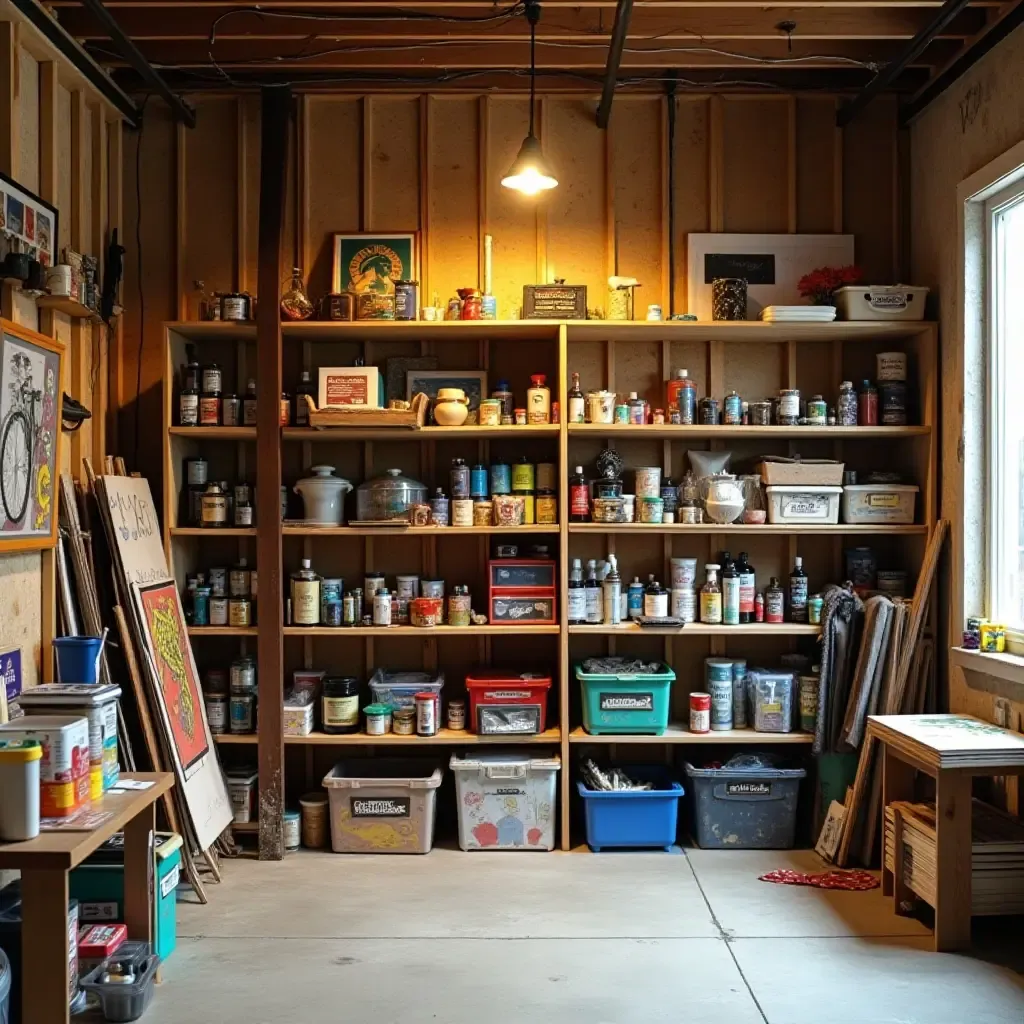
{"x": 313, "y": 809}
{"x": 718, "y": 679}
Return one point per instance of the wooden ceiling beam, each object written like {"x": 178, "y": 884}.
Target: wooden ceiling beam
{"x": 481, "y": 7}
{"x": 897, "y": 22}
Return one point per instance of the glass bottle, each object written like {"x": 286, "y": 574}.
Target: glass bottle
{"x": 577, "y": 406}
{"x": 846, "y": 405}
{"x": 711, "y": 596}
{"x": 635, "y": 599}
{"x": 305, "y": 595}
{"x": 748, "y": 587}
{"x": 577, "y": 596}
{"x": 295, "y": 304}
{"x": 730, "y": 594}
{"x": 538, "y": 400}
{"x": 192, "y": 376}
{"x": 305, "y": 387}
{"x": 579, "y": 497}
{"x": 774, "y": 602}
{"x": 867, "y": 405}
{"x": 655, "y": 600}
{"x": 249, "y": 404}
{"x": 798, "y": 592}
{"x": 593, "y": 594}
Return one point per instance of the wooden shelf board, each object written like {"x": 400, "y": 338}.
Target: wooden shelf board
{"x": 746, "y": 330}
{"x": 231, "y": 738}
{"x": 703, "y": 629}
{"x": 443, "y": 738}
{"x": 751, "y": 531}
{"x": 677, "y": 733}
{"x": 220, "y": 531}
{"x": 786, "y": 433}
{"x": 248, "y": 828}
{"x": 215, "y": 433}
{"x": 342, "y": 434}
{"x": 412, "y": 531}
{"x": 222, "y": 631}
{"x": 72, "y": 307}
{"x": 424, "y": 633}
{"x": 378, "y": 330}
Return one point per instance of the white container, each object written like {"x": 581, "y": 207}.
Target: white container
{"x": 684, "y": 573}
{"x": 64, "y": 769}
{"x": 879, "y": 503}
{"x": 19, "y": 784}
{"x": 506, "y": 801}
{"x": 244, "y": 795}
{"x": 881, "y": 302}
{"x": 298, "y": 713}
{"x": 793, "y": 503}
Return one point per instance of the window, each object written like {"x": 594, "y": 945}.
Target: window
{"x": 1004, "y": 243}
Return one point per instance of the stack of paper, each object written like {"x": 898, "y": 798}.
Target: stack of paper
{"x": 798, "y": 314}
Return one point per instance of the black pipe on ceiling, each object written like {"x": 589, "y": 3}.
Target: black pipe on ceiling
{"x": 623, "y": 12}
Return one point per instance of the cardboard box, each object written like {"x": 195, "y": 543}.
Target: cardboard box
{"x": 298, "y": 713}
{"x": 779, "y": 471}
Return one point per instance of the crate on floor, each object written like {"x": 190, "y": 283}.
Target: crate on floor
{"x": 506, "y": 800}
{"x": 382, "y": 805}
{"x": 744, "y": 806}
{"x": 633, "y": 818}
{"x": 619, "y": 700}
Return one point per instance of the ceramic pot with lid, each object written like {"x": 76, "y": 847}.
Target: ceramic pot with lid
{"x": 723, "y": 498}
{"x": 323, "y": 496}
{"x": 451, "y": 408}
{"x": 389, "y": 496}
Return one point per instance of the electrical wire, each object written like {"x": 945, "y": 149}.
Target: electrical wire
{"x": 141, "y": 290}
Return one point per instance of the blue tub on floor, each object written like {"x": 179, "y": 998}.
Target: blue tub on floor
{"x": 633, "y": 819}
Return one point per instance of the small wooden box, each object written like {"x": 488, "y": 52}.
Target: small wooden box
{"x": 554, "y": 302}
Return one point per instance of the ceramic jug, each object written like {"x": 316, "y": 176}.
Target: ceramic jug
{"x": 323, "y": 496}
{"x": 451, "y": 408}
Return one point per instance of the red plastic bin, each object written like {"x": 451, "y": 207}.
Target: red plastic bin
{"x": 507, "y": 703}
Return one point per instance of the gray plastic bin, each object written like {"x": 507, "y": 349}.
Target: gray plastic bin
{"x": 744, "y": 808}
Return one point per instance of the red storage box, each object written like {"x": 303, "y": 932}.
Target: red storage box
{"x": 507, "y": 704}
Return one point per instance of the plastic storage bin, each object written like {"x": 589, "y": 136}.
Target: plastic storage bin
{"x": 399, "y": 689}
{"x": 120, "y": 1002}
{"x": 506, "y": 704}
{"x": 795, "y": 504}
{"x": 880, "y": 302}
{"x": 506, "y": 800}
{"x": 383, "y": 805}
{"x": 879, "y": 503}
{"x": 738, "y": 808}
{"x": 634, "y": 818}
{"x": 619, "y": 702}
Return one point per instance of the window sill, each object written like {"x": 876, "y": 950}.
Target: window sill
{"x": 1008, "y": 667}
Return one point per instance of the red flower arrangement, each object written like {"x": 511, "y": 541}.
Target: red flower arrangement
{"x": 820, "y": 285}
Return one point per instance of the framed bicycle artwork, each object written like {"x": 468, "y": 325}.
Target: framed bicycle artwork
{"x": 30, "y": 437}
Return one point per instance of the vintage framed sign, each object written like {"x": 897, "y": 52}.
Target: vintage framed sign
{"x": 28, "y": 224}
{"x": 372, "y": 261}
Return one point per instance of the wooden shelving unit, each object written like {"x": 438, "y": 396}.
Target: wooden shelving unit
{"x": 755, "y": 359}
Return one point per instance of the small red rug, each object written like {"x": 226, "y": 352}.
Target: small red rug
{"x": 852, "y": 880}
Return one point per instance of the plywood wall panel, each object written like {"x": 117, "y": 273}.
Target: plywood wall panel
{"x": 691, "y": 183}
{"x": 816, "y": 173}
{"x": 755, "y": 158}
{"x": 576, "y": 209}
{"x": 249, "y": 195}
{"x": 333, "y": 152}
{"x": 392, "y": 201}
{"x": 63, "y": 166}
{"x": 635, "y": 138}
{"x": 27, "y": 121}
{"x": 453, "y": 203}
{"x": 511, "y": 218}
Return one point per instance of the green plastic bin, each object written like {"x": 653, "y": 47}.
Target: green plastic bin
{"x": 622, "y": 703}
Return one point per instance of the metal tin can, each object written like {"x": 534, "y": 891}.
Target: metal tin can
{"x": 234, "y": 306}
{"x": 815, "y": 603}
{"x": 501, "y": 478}
{"x": 483, "y": 512}
{"x": 652, "y": 510}
{"x": 891, "y": 366}
{"x": 648, "y": 481}
{"x": 459, "y": 479}
{"x": 669, "y": 495}
{"x": 243, "y": 713}
{"x": 406, "y": 300}
{"x": 892, "y": 401}
{"x": 789, "y": 407}
{"x": 457, "y": 714}
{"x": 217, "y": 713}
{"x": 700, "y": 712}
{"x": 431, "y": 588}
{"x": 490, "y": 412}
{"x": 732, "y": 409}
{"x": 546, "y": 505}
{"x": 375, "y": 306}
{"x": 808, "y": 702}
{"x": 330, "y": 590}
{"x": 707, "y": 412}
{"x": 218, "y": 611}
{"x": 239, "y": 611}
{"x": 478, "y": 482}
{"x": 759, "y": 413}
{"x": 332, "y": 613}
{"x": 488, "y": 307}
{"x": 426, "y": 714}
{"x": 439, "y": 509}
{"x": 718, "y": 679}
{"x": 403, "y": 721}
{"x": 462, "y": 511}
{"x": 689, "y": 514}
{"x": 524, "y": 476}
{"x": 459, "y": 608}
{"x": 622, "y": 414}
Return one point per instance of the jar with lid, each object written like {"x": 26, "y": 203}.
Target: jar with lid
{"x": 789, "y": 407}
{"x": 238, "y": 580}
{"x": 460, "y": 479}
{"x": 305, "y": 595}
{"x": 403, "y": 721}
{"x": 243, "y": 675}
{"x": 846, "y": 405}
{"x": 249, "y": 404}
{"x": 382, "y": 607}
{"x": 389, "y": 496}
{"x": 213, "y": 506}
{"x": 234, "y": 306}
{"x": 655, "y": 600}
{"x": 231, "y": 411}
{"x": 239, "y": 611}
{"x": 340, "y": 705}
{"x": 538, "y": 400}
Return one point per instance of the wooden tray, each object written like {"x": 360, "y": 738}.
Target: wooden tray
{"x": 341, "y": 416}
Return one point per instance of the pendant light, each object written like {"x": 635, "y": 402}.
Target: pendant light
{"x": 530, "y": 172}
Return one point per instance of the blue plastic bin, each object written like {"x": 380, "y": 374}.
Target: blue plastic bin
{"x": 632, "y": 819}
{"x": 625, "y": 704}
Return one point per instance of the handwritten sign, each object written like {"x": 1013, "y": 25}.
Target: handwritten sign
{"x": 754, "y": 268}
{"x": 136, "y": 528}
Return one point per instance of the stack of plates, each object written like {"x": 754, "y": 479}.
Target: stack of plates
{"x": 997, "y": 856}
{"x": 798, "y": 314}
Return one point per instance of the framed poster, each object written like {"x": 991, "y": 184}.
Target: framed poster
{"x": 28, "y": 223}
{"x": 30, "y": 437}
{"x": 371, "y": 261}
{"x": 473, "y": 382}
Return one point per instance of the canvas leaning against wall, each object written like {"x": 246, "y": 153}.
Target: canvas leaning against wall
{"x": 30, "y": 437}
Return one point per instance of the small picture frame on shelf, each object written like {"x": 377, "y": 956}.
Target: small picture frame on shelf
{"x": 473, "y": 382}
{"x": 372, "y": 261}
{"x": 28, "y": 224}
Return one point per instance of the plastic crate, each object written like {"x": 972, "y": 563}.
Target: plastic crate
{"x": 622, "y": 703}
{"x": 120, "y": 1002}
{"x": 382, "y": 805}
{"x": 506, "y": 800}
{"x": 880, "y": 302}
{"x": 506, "y": 704}
{"x": 743, "y": 808}
{"x": 633, "y": 818}
{"x": 879, "y": 503}
{"x": 399, "y": 689}
{"x": 803, "y": 503}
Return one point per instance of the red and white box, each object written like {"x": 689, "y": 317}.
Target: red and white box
{"x": 508, "y": 703}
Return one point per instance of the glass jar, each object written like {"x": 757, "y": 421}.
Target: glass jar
{"x": 389, "y": 496}
{"x": 295, "y": 304}
{"x": 340, "y": 707}
{"x": 213, "y": 509}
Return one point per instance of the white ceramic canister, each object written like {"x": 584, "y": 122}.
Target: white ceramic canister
{"x": 891, "y": 366}
{"x": 684, "y": 573}
{"x": 323, "y": 496}
{"x": 601, "y": 406}
{"x": 648, "y": 481}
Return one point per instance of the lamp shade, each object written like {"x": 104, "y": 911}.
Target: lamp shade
{"x": 530, "y": 172}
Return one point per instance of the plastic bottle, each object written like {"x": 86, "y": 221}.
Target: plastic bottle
{"x": 635, "y": 598}
{"x": 593, "y": 595}
{"x": 637, "y": 410}
{"x": 730, "y": 594}
{"x": 748, "y": 587}
{"x": 685, "y": 397}
{"x": 612, "y": 588}
{"x": 798, "y": 592}
{"x": 759, "y": 607}
{"x": 577, "y": 596}
{"x": 774, "y": 602}
{"x": 579, "y": 497}
{"x": 867, "y": 405}
{"x": 538, "y": 400}
{"x": 576, "y": 404}
{"x": 711, "y": 596}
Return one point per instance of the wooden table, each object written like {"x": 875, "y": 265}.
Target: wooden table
{"x": 44, "y": 863}
{"x": 952, "y": 749}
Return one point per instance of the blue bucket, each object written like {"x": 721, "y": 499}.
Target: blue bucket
{"x": 78, "y": 658}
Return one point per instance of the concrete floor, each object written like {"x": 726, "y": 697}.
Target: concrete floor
{"x": 512, "y": 939}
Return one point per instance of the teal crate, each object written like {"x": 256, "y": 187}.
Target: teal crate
{"x": 617, "y": 703}
{"x": 99, "y": 888}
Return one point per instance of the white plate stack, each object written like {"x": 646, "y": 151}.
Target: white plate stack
{"x": 798, "y": 314}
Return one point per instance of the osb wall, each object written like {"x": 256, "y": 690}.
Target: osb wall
{"x": 971, "y": 124}
{"x": 61, "y": 147}
{"x": 433, "y": 163}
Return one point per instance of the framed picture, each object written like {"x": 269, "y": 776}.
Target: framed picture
{"x": 473, "y": 382}
{"x": 30, "y": 437}
{"x": 28, "y": 223}
{"x": 371, "y": 261}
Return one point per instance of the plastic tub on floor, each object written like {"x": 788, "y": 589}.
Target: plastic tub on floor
{"x": 121, "y": 1002}
{"x": 382, "y": 805}
{"x": 633, "y": 818}
{"x": 739, "y": 808}
{"x": 506, "y": 800}
{"x": 623, "y": 702}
